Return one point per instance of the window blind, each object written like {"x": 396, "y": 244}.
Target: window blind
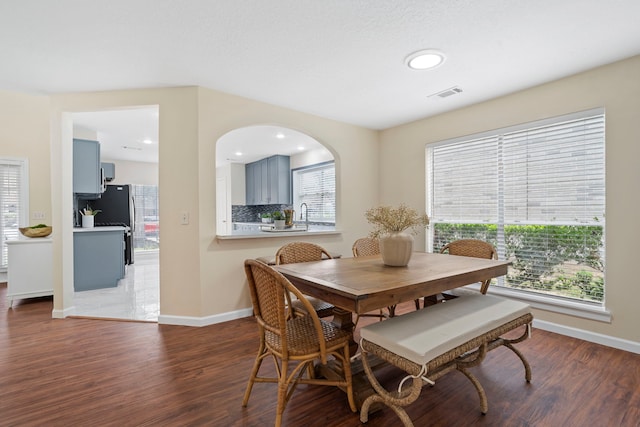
{"x": 316, "y": 186}
{"x": 13, "y": 202}
{"x": 537, "y": 192}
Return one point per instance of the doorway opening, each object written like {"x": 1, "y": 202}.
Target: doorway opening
{"x": 128, "y": 140}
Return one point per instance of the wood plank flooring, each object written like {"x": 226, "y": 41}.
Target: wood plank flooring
{"x": 83, "y": 372}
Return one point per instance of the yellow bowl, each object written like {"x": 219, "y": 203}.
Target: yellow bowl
{"x": 36, "y": 232}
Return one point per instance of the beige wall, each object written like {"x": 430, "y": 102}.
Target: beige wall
{"x": 140, "y": 173}
{"x": 355, "y": 151}
{"x": 615, "y": 87}
{"x": 24, "y": 133}
{"x": 200, "y": 276}
{"x": 179, "y": 260}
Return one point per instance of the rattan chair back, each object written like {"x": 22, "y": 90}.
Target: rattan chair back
{"x": 269, "y": 293}
{"x": 472, "y": 248}
{"x": 305, "y": 252}
{"x": 300, "y": 252}
{"x": 366, "y": 246}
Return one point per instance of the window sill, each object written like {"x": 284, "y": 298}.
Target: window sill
{"x": 556, "y": 305}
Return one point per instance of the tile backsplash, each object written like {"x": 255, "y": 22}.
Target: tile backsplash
{"x": 241, "y": 213}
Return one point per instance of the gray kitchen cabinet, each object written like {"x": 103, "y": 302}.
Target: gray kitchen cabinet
{"x": 253, "y": 184}
{"x": 98, "y": 258}
{"x": 109, "y": 170}
{"x": 279, "y": 180}
{"x": 268, "y": 181}
{"x": 87, "y": 173}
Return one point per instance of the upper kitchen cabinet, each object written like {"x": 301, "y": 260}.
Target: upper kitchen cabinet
{"x": 109, "y": 170}
{"x": 268, "y": 181}
{"x": 88, "y": 178}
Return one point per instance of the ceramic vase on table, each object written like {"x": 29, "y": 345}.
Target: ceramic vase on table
{"x": 279, "y": 224}
{"x": 396, "y": 248}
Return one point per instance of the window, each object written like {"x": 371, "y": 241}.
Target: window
{"x": 316, "y": 186}
{"x": 146, "y": 234}
{"x": 537, "y": 192}
{"x": 14, "y": 208}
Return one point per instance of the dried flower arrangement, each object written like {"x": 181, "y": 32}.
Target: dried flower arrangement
{"x": 387, "y": 219}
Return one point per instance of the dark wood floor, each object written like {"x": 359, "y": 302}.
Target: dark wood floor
{"x": 84, "y": 372}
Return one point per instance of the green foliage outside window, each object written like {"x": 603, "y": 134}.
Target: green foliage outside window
{"x": 562, "y": 260}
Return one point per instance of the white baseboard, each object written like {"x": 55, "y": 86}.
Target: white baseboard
{"x": 61, "y": 314}
{"x": 204, "y": 321}
{"x": 609, "y": 341}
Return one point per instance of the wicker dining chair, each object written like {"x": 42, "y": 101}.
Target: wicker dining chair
{"x": 471, "y": 248}
{"x": 294, "y": 343}
{"x": 305, "y": 252}
{"x": 367, "y": 246}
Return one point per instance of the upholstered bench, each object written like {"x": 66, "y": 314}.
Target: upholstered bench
{"x": 431, "y": 342}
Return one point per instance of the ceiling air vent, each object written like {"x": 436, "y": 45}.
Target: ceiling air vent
{"x": 447, "y": 92}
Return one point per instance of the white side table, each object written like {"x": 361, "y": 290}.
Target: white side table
{"x": 30, "y": 268}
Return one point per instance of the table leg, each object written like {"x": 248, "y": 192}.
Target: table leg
{"x": 333, "y": 369}
{"x": 361, "y": 386}
{"x": 343, "y": 319}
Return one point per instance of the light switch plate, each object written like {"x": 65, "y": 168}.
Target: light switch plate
{"x": 184, "y": 218}
{"x": 37, "y": 215}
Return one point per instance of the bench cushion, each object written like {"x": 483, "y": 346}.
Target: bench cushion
{"x": 423, "y": 335}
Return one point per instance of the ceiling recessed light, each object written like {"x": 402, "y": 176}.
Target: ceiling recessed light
{"x": 301, "y": 148}
{"x": 425, "y": 59}
{"x": 280, "y": 135}
{"x": 238, "y": 153}
{"x": 147, "y": 141}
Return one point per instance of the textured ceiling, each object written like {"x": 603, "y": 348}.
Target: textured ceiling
{"x": 340, "y": 59}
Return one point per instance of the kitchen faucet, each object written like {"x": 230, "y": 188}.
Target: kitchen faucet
{"x": 306, "y": 215}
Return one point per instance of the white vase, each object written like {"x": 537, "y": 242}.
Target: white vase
{"x": 396, "y": 248}
{"x": 279, "y": 224}
{"x": 87, "y": 221}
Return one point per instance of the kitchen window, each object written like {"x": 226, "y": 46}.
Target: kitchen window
{"x": 315, "y": 185}
{"x": 535, "y": 191}
{"x": 14, "y": 201}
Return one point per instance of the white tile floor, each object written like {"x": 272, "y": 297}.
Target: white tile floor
{"x": 137, "y": 296}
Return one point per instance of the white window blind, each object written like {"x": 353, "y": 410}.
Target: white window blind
{"x": 537, "y": 192}
{"x": 13, "y": 202}
{"x": 316, "y": 186}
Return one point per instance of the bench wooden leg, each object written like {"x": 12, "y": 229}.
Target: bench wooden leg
{"x": 394, "y": 400}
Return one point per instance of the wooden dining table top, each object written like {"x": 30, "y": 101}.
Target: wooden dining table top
{"x": 363, "y": 284}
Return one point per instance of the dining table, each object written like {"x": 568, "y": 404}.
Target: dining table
{"x": 364, "y": 284}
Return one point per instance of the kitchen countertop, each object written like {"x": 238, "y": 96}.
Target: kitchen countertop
{"x": 314, "y": 230}
{"x": 107, "y": 228}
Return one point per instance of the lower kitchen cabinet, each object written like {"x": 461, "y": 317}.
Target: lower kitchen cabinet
{"x": 98, "y": 257}
{"x": 30, "y": 268}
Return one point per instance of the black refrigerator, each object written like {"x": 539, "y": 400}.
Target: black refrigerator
{"x": 117, "y": 208}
